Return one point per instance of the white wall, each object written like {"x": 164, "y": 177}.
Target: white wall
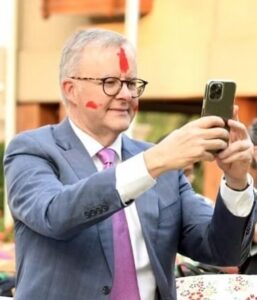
{"x": 40, "y": 43}
{"x": 2, "y": 91}
{"x": 181, "y": 44}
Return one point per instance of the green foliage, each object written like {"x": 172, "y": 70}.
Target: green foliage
{"x": 162, "y": 123}
{"x": 198, "y": 182}
{"x": 6, "y": 234}
{"x": 1, "y": 178}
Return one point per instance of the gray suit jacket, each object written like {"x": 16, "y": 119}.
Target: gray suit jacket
{"x": 62, "y": 207}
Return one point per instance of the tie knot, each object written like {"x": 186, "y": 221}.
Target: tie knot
{"x": 106, "y": 155}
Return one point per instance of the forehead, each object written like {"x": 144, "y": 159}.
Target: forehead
{"x": 108, "y": 59}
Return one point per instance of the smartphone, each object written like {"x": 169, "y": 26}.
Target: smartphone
{"x": 219, "y": 99}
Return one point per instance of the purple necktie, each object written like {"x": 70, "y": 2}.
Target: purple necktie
{"x": 125, "y": 285}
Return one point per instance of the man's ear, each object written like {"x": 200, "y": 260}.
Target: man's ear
{"x": 68, "y": 88}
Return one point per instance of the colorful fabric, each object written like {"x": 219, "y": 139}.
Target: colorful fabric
{"x": 217, "y": 287}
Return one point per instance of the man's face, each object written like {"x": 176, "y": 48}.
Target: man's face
{"x": 91, "y": 109}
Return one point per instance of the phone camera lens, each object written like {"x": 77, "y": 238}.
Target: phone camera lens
{"x": 215, "y": 91}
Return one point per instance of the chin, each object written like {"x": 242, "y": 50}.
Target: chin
{"x": 121, "y": 127}
{"x": 122, "y": 123}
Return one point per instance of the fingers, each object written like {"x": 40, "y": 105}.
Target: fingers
{"x": 235, "y": 113}
{"x": 238, "y": 128}
{"x": 215, "y": 145}
{"x": 207, "y": 128}
{"x": 207, "y": 122}
{"x": 203, "y": 140}
{"x": 211, "y": 139}
{"x": 215, "y": 133}
{"x": 240, "y": 145}
{"x": 240, "y": 150}
{"x": 208, "y": 156}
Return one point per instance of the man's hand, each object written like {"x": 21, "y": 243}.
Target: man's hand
{"x": 235, "y": 160}
{"x": 197, "y": 140}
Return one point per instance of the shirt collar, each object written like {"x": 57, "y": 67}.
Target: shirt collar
{"x": 92, "y": 145}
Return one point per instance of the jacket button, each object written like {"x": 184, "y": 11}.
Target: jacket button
{"x": 86, "y": 214}
{"x": 106, "y": 290}
{"x": 92, "y": 213}
{"x": 105, "y": 208}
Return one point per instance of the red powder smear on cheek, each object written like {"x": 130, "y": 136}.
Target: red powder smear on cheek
{"x": 124, "y": 66}
{"x": 92, "y": 104}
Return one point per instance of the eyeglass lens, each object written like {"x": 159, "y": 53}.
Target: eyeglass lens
{"x": 112, "y": 86}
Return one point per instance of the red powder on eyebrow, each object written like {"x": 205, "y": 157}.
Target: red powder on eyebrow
{"x": 91, "y": 104}
{"x": 123, "y": 60}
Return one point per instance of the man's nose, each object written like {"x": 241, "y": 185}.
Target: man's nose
{"x": 125, "y": 92}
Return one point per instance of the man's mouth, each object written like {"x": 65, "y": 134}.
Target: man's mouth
{"x": 119, "y": 109}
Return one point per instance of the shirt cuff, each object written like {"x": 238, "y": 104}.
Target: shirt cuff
{"x": 132, "y": 178}
{"x": 239, "y": 203}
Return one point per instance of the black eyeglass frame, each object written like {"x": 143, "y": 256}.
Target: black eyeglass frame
{"x": 139, "y": 89}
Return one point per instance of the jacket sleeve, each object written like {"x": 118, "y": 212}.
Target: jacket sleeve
{"x": 214, "y": 237}
{"x": 40, "y": 200}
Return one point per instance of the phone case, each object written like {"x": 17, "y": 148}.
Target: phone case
{"x": 219, "y": 99}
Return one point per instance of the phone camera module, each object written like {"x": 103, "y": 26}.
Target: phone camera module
{"x": 216, "y": 91}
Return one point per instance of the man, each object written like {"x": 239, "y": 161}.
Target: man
{"x": 68, "y": 201}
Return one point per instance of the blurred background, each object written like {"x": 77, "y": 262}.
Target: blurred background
{"x": 181, "y": 44}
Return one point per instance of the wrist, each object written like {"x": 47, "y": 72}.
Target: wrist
{"x": 154, "y": 162}
{"x": 238, "y": 185}
{"x": 238, "y": 189}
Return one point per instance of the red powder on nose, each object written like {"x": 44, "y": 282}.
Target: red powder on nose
{"x": 124, "y": 66}
{"x": 91, "y": 104}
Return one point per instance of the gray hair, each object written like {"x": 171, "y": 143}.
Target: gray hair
{"x": 73, "y": 48}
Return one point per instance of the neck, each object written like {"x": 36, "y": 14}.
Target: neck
{"x": 104, "y": 138}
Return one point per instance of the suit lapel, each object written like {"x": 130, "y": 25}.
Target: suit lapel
{"x": 147, "y": 203}
{"x": 80, "y": 161}
{"x": 73, "y": 150}
{"x": 105, "y": 233}
{"x": 148, "y": 211}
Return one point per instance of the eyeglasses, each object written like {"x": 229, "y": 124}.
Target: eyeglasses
{"x": 113, "y": 85}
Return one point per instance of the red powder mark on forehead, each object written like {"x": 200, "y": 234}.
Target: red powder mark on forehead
{"x": 124, "y": 66}
{"x": 91, "y": 104}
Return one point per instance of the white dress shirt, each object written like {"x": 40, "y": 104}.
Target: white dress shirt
{"x": 131, "y": 184}
{"x": 145, "y": 277}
